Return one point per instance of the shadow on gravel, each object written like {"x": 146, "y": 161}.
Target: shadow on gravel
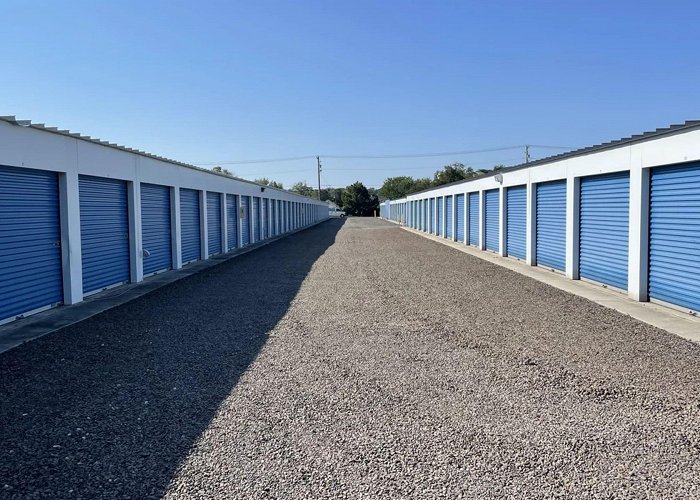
{"x": 109, "y": 407}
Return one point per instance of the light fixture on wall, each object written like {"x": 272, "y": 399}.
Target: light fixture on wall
{"x": 262, "y": 189}
{"x": 499, "y": 178}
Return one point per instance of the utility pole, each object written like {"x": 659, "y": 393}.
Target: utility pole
{"x": 318, "y": 163}
{"x": 527, "y": 153}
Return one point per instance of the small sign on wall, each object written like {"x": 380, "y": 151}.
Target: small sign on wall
{"x": 241, "y": 212}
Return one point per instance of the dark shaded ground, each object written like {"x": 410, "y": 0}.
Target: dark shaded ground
{"x": 108, "y": 407}
{"x": 400, "y": 368}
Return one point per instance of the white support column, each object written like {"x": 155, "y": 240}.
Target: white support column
{"x": 482, "y": 220}
{"x": 638, "y": 270}
{"x": 203, "y": 226}
{"x": 224, "y": 224}
{"x": 71, "y": 251}
{"x": 135, "y": 246}
{"x": 531, "y": 225}
{"x": 175, "y": 232}
{"x": 573, "y": 194}
{"x": 502, "y": 221}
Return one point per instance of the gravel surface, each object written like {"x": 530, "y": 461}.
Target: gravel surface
{"x": 353, "y": 362}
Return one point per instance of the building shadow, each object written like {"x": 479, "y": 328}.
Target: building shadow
{"x": 110, "y": 406}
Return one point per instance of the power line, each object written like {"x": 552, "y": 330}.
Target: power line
{"x": 376, "y": 157}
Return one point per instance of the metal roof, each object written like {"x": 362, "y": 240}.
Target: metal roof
{"x": 670, "y": 130}
{"x": 54, "y": 130}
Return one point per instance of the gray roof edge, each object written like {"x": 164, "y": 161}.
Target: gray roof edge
{"x": 618, "y": 143}
{"x": 12, "y": 119}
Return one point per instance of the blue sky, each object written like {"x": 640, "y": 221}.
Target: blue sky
{"x": 221, "y": 81}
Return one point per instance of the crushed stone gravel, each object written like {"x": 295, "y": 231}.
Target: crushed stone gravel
{"x": 353, "y": 360}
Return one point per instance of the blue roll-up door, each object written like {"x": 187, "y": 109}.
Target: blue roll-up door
{"x": 273, "y": 216}
{"x": 245, "y": 220}
{"x": 491, "y": 207}
{"x": 232, "y": 221}
{"x": 155, "y": 228}
{"x": 440, "y": 216}
{"x": 421, "y": 215}
{"x": 604, "y": 228}
{"x": 30, "y": 242}
{"x": 674, "y": 250}
{"x": 551, "y": 224}
{"x": 104, "y": 232}
{"x": 432, "y": 215}
{"x": 426, "y": 215}
{"x": 213, "y": 223}
{"x": 474, "y": 218}
{"x": 256, "y": 218}
{"x": 265, "y": 218}
{"x": 448, "y": 217}
{"x": 460, "y": 217}
{"x": 190, "y": 227}
{"x": 516, "y": 220}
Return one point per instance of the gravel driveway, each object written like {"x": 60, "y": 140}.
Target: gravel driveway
{"x": 353, "y": 360}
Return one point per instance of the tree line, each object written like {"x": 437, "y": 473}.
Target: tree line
{"x": 357, "y": 199}
{"x": 395, "y": 188}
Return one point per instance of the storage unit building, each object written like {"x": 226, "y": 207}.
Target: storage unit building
{"x": 624, "y": 214}
{"x": 156, "y": 228}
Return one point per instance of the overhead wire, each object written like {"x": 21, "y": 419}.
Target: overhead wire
{"x": 376, "y": 157}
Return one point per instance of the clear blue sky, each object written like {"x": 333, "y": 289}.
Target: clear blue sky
{"x": 218, "y": 81}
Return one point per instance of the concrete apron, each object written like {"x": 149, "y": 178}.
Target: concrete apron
{"x": 37, "y": 325}
{"x": 666, "y": 318}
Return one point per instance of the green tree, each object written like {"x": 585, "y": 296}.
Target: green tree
{"x": 395, "y": 188}
{"x": 452, "y": 173}
{"x": 303, "y": 189}
{"x": 421, "y": 184}
{"x": 357, "y": 200}
{"x": 267, "y": 182}
{"x": 220, "y": 170}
